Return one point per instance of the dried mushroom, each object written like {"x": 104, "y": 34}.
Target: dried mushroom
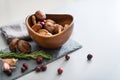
{"x": 36, "y": 27}
{"x": 19, "y": 45}
{"x": 58, "y": 28}
{"x": 34, "y": 20}
{"x": 12, "y": 45}
{"x": 46, "y": 26}
{"x": 44, "y": 32}
{"x": 66, "y": 26}
{"x": 40, "y": 15}
{"x": 24, "y": 46}
{"x": 50, "y": 20}
{"x": 49, "y": 26}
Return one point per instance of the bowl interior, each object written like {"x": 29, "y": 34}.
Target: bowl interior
{"x": 61, "y": 19}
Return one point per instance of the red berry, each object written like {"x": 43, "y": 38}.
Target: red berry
{"x": 60, "y": 70}
{"x": 39, "y": 60}
{"x": 43, "y": 67}
{"x": 8, "y": 72}
{"x": 23, "y": 69}
{"x": 37, "y": 68}
{"x": 89, "y": 56}
{"x": 42, "y": 23}
{"x": 25, "y": 65}
{"x": 67, "y": 57}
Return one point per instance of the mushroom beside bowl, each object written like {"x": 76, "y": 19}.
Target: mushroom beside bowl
{"x": 54, "y": 41}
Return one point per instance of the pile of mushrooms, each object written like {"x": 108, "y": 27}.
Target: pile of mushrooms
{"x": 45, "y": 27}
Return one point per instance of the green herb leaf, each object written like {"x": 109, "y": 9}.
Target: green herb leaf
{"x": 32, "y": 55}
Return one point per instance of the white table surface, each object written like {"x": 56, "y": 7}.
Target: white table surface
{"x": 97, "y": 28}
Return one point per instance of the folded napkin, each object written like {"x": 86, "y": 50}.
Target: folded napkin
{"x": 15, "y": 30}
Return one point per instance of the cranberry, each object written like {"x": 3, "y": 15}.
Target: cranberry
{"x": 42, "y": 23}
{"x": 23, "y": 69}
{"x": 89, "y": 56}
{"x": 60, "y": 70}
{"x": 8, "y": 72}
{"x": 39, "y": 60}
{"x": 37, "y": 68}
{"x": 67, "y": 57}
{"x": 25, "y": 65}
{"x": 43, "y": 67}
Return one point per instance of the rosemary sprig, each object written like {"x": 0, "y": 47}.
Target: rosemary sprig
{"x": 32, "y": 55}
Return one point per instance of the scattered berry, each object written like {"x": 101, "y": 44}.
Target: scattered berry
{"x": 60, "y": 70}
{"x": 67, "y": 57}
{"x": 37, "y": 68}
{"x": 89, "y": 56}
{"x": 8, "y": 72}
{"x": 43, "y": 67}
{"x": 23, "y": 69}
{"x": 39, "y": 60}
{"x": 25, "y": 65}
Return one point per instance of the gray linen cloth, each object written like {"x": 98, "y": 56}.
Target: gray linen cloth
{"x": 15, "y": 30}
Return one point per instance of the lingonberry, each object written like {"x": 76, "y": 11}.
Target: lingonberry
{"x": 89, "y": 56}
{"x": 42, "y": 23}
{"x": 25, "y": 65}
{"x": 43, "y": 67}
{"x": 8, "y": 72}
{"x": 23, "y": 69}
{"x": 67, "y": 57}
{"x": 60, "y": 70}
{"x": 37, "y": 68}
{"x": 39, "y": 60}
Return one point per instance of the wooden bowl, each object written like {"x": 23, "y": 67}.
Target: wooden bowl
{"x": 56, "y": 40}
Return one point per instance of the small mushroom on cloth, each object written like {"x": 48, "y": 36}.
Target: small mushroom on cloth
{"x": 23, "y": 46}
{"x": 12, "y": 45}
{"x": 20, "y": 45}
